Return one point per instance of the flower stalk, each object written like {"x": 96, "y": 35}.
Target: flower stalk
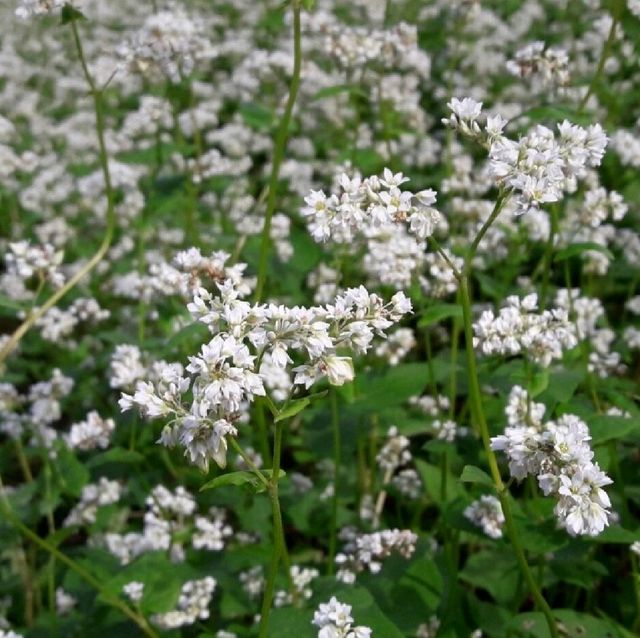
{"x": 279, "y": 150}
{"x": 97, "y": 95}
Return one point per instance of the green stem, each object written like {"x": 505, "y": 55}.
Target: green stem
{"x": 278, "y": 533}
{"x": 501, "y": 200}
{"x": 247, "y": 459}
{"x": 279, "y": 150}
{"x": 477, "y": 412}
{"x": 606, "y": 50}
{"x": 24, "y": 462}
{"x": 548, "y": 256}
{"x": 85, "y": 575}
{"x": 96, "y": 94}
{"x": 335, "y": 428}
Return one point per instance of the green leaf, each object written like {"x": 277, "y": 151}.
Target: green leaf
{"x": 243, "y": 478}
{"x": 115, "y": 455}
{"x": 394, "y": 386}
{"x": 439, "y": 312}
{"x": 473, "y": 474}
{"x": 292, "y": 408}
{"x": 7, "y": 302}
{"x": 605, "y": 428}
{"x": 576, "y": 249}
{"x": 256, "y": 116}
{"x": 495, "y": 571}
{"x": 73, "y": 475}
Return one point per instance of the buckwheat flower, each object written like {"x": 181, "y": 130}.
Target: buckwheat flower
{"x": 334, "y": 620}
{"x": 464, "y": 115}
{"x": 29, "y": 8}
{"x": 301, "y": 578}
{"x": 487, "y": 514}
{"x": 339, "y": 370}
{"x": 559, "y": 455}
{"x": 193, "y": 605}
{"x": 518, "y": 329}
{"x": 429, "y": 629}
{"x": 211, "y": 531}
{"x": 64, "y": 602}
{"x": 126, "y": 367}
{"x": 361, "y": 204}
{"x": 447, "y": 430}
{"x": 397, "y": 346}
{"x": 368, "y": 551}
{"x": 134, "y": 591}
{"x": 25, "y": 261}
{"x": 550, "y": 64}
{"x": 9, "y": 634}
{"x": 635, "y": 548}
{"x": 395, "y": 452}
{"x": 93, "y": 496}
{"x": 408, "y": 483}
{"x": 253, "y": 581}
{"x": 92, "y": 433}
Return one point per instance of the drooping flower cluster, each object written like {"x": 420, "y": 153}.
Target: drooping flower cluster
{"x": 370, "y": 202}
{"x": 541, "y": 166}
{"x": 519, "y": 329}
{"x": 193, "y": 605}
{"x": 334, "y": 620}
{"x": 487, "y": 514}
{"x": 558, "y": 454}
{"x": 367, "y": 551}
{"x": 225, "y": 376}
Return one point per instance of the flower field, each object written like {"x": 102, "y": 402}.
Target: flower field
{"x": 320, "y": 318}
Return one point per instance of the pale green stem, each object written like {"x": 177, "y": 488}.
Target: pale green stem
{"x": 606, "y": 50}
{"x": 96, "y": 94}
{"x": 84, "y": 574}
{"x": 279, "y": 150}
{"x": 278, "y": 533}
{"x": 477, "y": 411}
{"x": 335, "y": 428}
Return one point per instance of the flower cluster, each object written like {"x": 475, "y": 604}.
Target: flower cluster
{"x": 29, "y": 8}
{"x": 551, "y": 64}
{"x": 169, "y": 44}
{"x": 225, "y": 376}
{"x": 193, "y": 605}
{"x": 559, "y": 455}
{"x": 367, "y": 551}
{"x": 334, "y": 620}
{"x": 486, "y": 513}
{"x": 519, "y": 329}
{"x": 25, "y": 261}
{"x": 92, "y": 433}
{"x": 371, "y": 202}
{"x": 540, "y": 167}
{"x": 170, "y": 520}
{"x": 94, "y": 496}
